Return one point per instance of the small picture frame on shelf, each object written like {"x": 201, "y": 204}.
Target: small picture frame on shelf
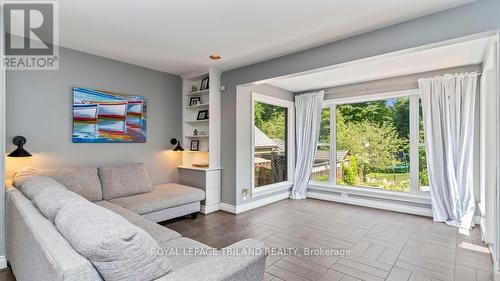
{"x": 204, "y": 84}
{"x": 194, "y": 101}
{"x": 195, "y": 145}
{"x": 202, "y": 115}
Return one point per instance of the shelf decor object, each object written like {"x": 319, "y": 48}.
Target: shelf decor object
{"x": 195, "y": 145}
{"x": 204, "y": 83}
{"x": 193, "y": 101}
{"x": 202, "y": 115}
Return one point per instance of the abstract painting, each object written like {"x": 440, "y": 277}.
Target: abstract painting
{"x": 106, "y": 117}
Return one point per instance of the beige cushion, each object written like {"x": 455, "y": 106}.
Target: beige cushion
{"x": 158, "y": 232}
{"x": 161, "y": 197}
{"x": 124, "y": 180}
{"x": 22, "y": 175}
{"x": 50, "y": 201}
{"x": 118, "y": 249}
{"x": 34, "y": 185}
{"x": 84, "y": 181}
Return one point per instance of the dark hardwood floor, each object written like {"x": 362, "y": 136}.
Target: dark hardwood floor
{"x": 6, "y": 275}
{"x": 384, "y": 245}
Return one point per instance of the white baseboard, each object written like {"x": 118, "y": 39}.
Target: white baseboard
{"x": 227, "y": 208}
{"x": 253, "y": 204}
{"x": 262, "y": 202}
{"x": 371, "y": 203}
{"x": 327, "y": 197}
{"x": 209, "y": 209}
{"x": 3, "y": 262}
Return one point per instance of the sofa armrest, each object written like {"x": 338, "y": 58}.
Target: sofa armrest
{"x": 226, "y": 267}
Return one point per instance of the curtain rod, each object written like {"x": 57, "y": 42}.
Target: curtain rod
{"x": 330, "y": 91}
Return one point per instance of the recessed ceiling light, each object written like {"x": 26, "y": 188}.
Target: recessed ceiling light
{"x": 214, "y": 57}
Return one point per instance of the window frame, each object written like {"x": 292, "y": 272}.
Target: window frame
{"x": 290, "y": 148}
{"x": 414, "y": 95}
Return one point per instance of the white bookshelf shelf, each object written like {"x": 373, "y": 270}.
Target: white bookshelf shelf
{"x": 198, "y": 168}
{"x": 197, "y": 137}
{"x": 198, "y": 106}
{"x": 202, "y": 92}
{"x": 197, "y": 122}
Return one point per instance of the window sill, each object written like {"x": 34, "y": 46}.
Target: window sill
{"x": 272, "y": 188}
{"x": 420, "y": 198}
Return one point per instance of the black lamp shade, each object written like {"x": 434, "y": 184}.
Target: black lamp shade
{"x": 177, "y": 144}
{"x": 19, "y": 151}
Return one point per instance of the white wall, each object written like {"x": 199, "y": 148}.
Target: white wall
{"x": 2, "y": 146}
{"x": 244, "y": 151}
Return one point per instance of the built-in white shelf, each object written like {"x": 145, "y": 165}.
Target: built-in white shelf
{"x": 194, "y": 122}
{"x": 204, "y": 178}
{"x": 198, "y": 106}
{"x": 202, "y": 92}
{"x": 197, "y": 168}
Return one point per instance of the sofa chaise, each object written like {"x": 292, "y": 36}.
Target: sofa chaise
{"x": 100, "y": 224}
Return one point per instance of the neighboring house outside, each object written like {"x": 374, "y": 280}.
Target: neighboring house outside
{"x": 321, "y": 167}
{"x": 269, "y": 159}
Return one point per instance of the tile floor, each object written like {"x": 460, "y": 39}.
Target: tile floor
{"x": 384, "y": 245}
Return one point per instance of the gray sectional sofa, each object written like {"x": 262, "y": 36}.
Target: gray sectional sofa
{"x": 100, "y": 224}
{"x": 126, "y": 185}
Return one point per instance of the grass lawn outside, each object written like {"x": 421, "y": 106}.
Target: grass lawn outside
{"x": 390, "y": 177}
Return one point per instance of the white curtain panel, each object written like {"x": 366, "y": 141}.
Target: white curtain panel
{"x": 307, "y": 122}
{"x": 448, "y": 104}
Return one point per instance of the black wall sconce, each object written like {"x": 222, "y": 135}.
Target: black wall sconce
{"x": 19, "y": 151}
{"x": 177, "y": 144}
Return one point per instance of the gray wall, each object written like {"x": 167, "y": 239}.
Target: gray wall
{"x": 39, "y": 107}
{"x": 465, "y": 20}
{"x": 244, "y": 136}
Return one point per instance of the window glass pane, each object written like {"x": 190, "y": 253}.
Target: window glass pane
{"x": 373, "y": 144}
{"x": 321, "y": 168}
{"x": 423, "y": 175}
{"x": 270, "y": 140}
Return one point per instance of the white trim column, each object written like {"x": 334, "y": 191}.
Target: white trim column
{"x": 3, "y": 261}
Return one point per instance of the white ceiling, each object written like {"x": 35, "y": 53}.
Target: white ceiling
{"x": 460, "y": 54}
{"x": 178, "y": 36}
